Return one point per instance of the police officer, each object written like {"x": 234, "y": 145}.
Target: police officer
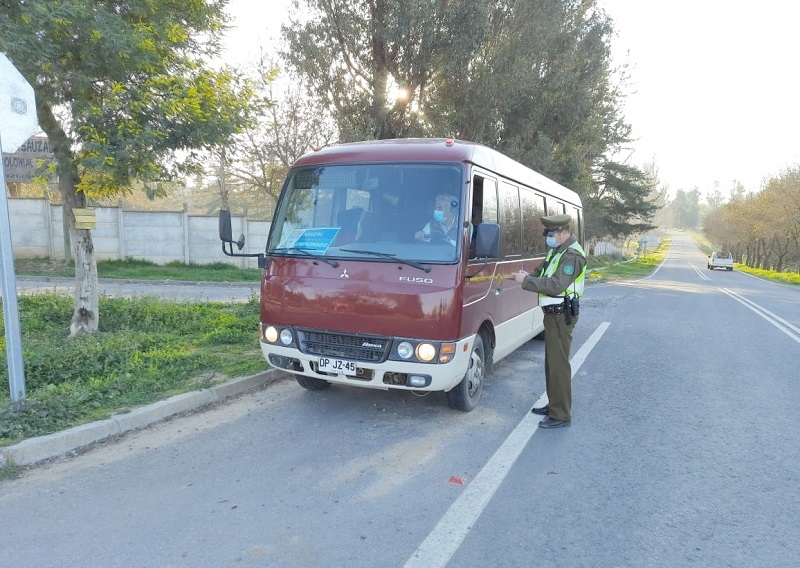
{"x": 561, "y": 277}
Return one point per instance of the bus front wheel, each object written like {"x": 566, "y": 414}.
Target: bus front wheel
{"x": 465, "y": 395}
{"x": 311, "y": 383}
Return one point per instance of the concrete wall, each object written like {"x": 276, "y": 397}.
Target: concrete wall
{"x": 37, "y": 231}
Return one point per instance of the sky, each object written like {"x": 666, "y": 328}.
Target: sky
{"x": 713, "y": 93}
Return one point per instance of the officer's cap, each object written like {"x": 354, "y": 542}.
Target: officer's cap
{"x": 556, "y": 222}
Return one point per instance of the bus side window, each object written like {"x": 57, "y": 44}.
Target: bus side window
{"x": 555, "y": 207}
{"x": 489, "y": 212}
{"x": 532, "y": 228}
{"x": 484, "y": 206}
{"x": 511, "y": 227}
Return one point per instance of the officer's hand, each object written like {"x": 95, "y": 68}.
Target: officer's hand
{"x": 520, "y": 276}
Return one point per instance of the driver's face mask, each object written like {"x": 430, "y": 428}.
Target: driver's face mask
{"x": 438, "y": 215}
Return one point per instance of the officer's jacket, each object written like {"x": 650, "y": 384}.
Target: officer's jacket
{"x": 564, "y": 274}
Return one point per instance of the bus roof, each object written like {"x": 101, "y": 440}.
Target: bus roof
{"x": 436, "y": 150}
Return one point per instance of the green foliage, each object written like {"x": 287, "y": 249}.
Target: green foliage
{"x": 135, "y": 98}
{"x": 290, "y": 123}
{"x": 532, "y": 78}
{"x": 792, "y": 278}
{"x": 126, "y": 95}
{"x": 529, "y": 78}
{"x": 683, "y": 212}
{"x": 635, "y": 268}
{"x": 547, "y": 75}
{"x": 623, "y": 204}
{"x": 145, "y": 350}
{"x": 143, "y": 270}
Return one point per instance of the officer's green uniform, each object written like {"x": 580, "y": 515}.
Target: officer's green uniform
{"x": 564, "y": 273}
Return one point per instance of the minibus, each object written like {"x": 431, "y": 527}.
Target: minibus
{"x": 389, "y": 265}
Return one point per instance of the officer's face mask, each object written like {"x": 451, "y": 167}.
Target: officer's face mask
{"x": 552, "y": 242}
{"x": 438, "y": 216}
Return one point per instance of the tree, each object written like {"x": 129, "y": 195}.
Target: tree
{"x": 541, "y": 90}
{"x": 531, "y": 78}
{"x": 371, "y": 63}
{"x": 762, "y": 229}
{"x": 684, "y": 209}
{"x": 124, "y": 94}
{"x": 624, "y": 204}
{"x": 290, "y": 123}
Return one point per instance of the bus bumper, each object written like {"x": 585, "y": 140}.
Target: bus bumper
{"x": 387, "y": 375}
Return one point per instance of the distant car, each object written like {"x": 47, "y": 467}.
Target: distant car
{"x": 720, "y": 260}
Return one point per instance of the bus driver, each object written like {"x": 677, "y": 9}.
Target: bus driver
{"x": 444, "y": 226}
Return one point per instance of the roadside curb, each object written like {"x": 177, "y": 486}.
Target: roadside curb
{"x": 41, "y": 448}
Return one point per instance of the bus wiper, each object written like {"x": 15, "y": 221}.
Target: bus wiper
{"x": 392, "y": 256}
{"x": 305, "y": 252}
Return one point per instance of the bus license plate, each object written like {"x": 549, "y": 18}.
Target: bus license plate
{"x": 337, "y": 366}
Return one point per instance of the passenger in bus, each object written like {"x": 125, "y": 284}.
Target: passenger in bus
{"x": 349, "y": 222}
{"x": 443, "y": 228}
{"x": 559, "y": 283}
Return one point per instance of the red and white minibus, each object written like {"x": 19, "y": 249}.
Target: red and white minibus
{"x": 363, "y": 284}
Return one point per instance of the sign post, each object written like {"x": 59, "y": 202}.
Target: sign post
{"x": 18, "y": 122}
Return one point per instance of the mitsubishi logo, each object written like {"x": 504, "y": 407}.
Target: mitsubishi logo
{"x": 344, "y": 274}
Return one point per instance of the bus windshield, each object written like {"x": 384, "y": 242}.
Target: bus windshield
{"x": 385, "y": 212}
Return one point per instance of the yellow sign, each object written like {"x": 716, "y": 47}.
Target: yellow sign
{"x": 84, "y": 218}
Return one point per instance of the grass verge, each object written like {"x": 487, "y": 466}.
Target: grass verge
{"x": 145, "y": 350}
{"x": 606, "y": 269}
{"x": 134, "y": 269}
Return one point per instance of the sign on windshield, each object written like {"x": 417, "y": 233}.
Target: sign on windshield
{"x": 313, "y": 240}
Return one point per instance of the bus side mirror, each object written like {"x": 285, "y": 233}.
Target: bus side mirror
{"x": 225, "y": 231}
{"x": 487, "y": 240}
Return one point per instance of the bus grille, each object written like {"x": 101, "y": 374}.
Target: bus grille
{"x": 356, "y": 347}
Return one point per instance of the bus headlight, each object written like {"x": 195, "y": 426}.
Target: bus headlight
{"x": 405, "y": 350}
{"x": 271, "y": 334}
{"x": 426, "y": 352}
{"x": 286, "y": 336}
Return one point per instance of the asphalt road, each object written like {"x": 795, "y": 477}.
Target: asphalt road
{"x": 684, "y": 451}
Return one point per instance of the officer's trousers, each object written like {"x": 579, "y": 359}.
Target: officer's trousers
{"x": 557, "y": 368}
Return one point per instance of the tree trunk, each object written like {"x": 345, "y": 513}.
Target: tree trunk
{"x": 85, "y": 318}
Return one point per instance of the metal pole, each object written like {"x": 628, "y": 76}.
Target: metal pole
{"x": 16, "y": 370}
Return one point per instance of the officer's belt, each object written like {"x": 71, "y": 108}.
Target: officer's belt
{"x": 553, "y": 309}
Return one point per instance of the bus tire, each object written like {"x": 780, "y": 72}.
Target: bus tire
{"x": 311, "y": 383}
{"x": 466, "y": 394}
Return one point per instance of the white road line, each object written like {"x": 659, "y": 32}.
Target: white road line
{"x": 443, "y": 541}
{"x": 775, "y": 320}
{"x": 699, "y": 272}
